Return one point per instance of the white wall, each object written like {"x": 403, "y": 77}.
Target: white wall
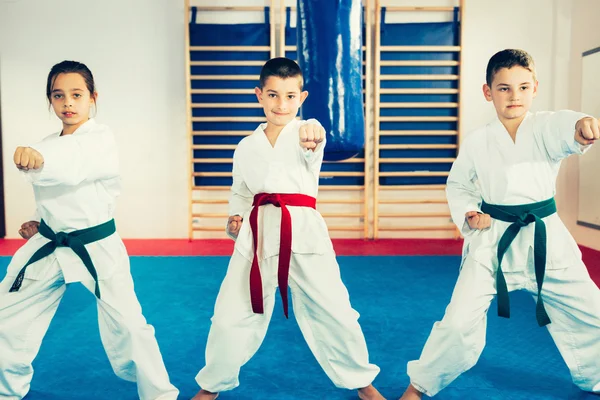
{"x": 136, "y": 50}
{"x": 585, "y": 14}
{"x": 491, "y": 26}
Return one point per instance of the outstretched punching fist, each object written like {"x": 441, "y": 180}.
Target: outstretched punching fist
{"x": 233, "y": 225}
{"x": 587, "y": 130}
{"x": 311, "y": 135}
{"x": 478, "y": 221}
{"x": 27, "y": 158}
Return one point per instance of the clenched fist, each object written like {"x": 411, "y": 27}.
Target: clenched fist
{"x": 587, "y": 130}
{"x": 234, "y": 223}
{"x": 478, "y": 221}
{"x": 27, "y": 158}
{"x": 311, "y": 135}
{"x": 28, "y": 229}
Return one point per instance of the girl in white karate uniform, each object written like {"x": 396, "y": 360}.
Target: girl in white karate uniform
{"x": 75, "y": 179}
{"x": 501, "y": 188}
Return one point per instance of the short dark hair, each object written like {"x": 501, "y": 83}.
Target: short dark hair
{"x": 68, "y": 67}
{"x": 507, "y": 59}
{"x": 283, "y": 68}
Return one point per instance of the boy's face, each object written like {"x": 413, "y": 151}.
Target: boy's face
{"x": 281, "y": 99}
{"x": 512, "y": 92}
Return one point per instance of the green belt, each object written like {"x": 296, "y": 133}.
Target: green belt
{"x": 521, "y": 216}
{"x": 75, "y": 240}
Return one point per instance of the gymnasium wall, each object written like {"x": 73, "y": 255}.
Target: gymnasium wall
{"x": 136, "y": 51}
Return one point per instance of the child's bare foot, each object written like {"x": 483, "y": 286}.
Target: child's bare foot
{"x": 369, "y": 393}
{"x": 205, "y": 395}
{"x": 411, "y": 394}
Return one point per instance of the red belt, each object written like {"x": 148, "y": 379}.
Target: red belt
{"x": 285, "y": 244}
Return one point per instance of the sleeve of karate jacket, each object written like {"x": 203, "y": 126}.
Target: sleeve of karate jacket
{"x": 556, "y": 130}
{"x": 240, "y": 197}
{"x": 36, "y": 216}
{"x": 461, "y": 191}
{"x": 80, "y": 157}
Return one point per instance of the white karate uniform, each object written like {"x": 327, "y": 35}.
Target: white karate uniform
{"x": 75, "y": 189}
{"x": 320, "y": 299}
{"x": 493, "y": 168}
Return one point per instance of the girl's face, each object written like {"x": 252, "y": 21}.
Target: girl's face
{"x": 71, "y": 100}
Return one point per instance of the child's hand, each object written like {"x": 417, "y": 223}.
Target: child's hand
{"x": 587, "y": 130}
{"x": 27, "y": 158}
{"x": 233, "y": 225}
{"x": 311, "y": 135}
{"x": 478, "y": 221}
{"x": 28, "y": 229}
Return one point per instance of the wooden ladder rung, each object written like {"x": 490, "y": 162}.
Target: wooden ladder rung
{"x": 228, "y": 119}
{"x": 418, "y": 77}
{"x": 345, "y": 228}
{"x": 212, "y": 174}
{"x": 413, "y": 201}
{"x": 340, "y": 187}
{"x": 342, "y": 215}
{"x": 210, "y": 215}
{"x": 412, "y": 187}
{"x": 418, "y": 119}
{"x": 418, "y": 228}
{"x": 233, "y": 63}
{"x": 214, "y": 147}
{"x": 345, "y": 174}
{"x": 414, "y": 215}
{"x": 294, "y": 48}
{"x": 419, "y": 133}
{"x": 416, "y": 146}
{"x": 417, "y": 105}
{"x": 230, "y": 8}
{"x": 340, "y": 201}
{"x": 416, "y": 160}
{"x": 226, "y": 105}
{"x": 222, "y": 133}
{"x": 210, "y": 201}
{"x": 418, "y": 91}
{"x": 212, "y": 160}
{"x": 323, "y": 174}
{"x": 209, "y": 228}
{"x": 418, "y": 63}
{"x": 211, "y": 188}
{"x": 226, "y": 77}
{"x": 417, "y": 8}
{"x": 414, "y": 174}
{"x": 230, "y": 48}
{"x": 222, "y": 91}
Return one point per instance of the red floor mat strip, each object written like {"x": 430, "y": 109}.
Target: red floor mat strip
{"x": 224, "y": 247}
{"x": 343, "y": 247}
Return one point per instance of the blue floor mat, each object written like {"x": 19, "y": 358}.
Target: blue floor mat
{"x": 399, "y": 298}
